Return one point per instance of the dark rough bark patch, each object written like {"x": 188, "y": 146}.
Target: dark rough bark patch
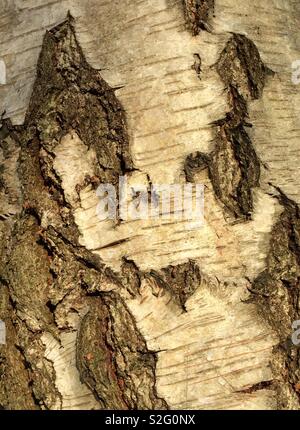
{"x": 263, "y": 385}
{"x": 14, "y": 377}
{"x": 197, "y": 65}
{"x": 241, "y": 67}
{"x": 234, "y": 167}
{"x": 47, "y": 273}
{"x": 113, "y": 359}
{"x": 10, "y": 195}
{"x": 29, "y": 284}
{"x": 131, "y": 277}
{"x": 181, "y": 280}
{"x": 238, "y": 114}
{"x": 277, "y": 292}
{"x": 194, "y": 163}
{"x": 70, "y": 95}
{"x": 198, "y": 14}
{"x": 234, "y": 170}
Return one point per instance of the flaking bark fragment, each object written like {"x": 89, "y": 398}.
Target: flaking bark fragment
{"x": 233, "y": 168}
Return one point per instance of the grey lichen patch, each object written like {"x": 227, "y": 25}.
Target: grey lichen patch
{"x": 233, "y": 165}
{"x": 113, "y": 359}
{"x": 181, "y": 280}
{"x": 198, "y": 14}
{"x": 277, "y": 292}
{"x": 241, "y": 67}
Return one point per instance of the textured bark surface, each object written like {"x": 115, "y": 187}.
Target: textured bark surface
{"x": 233, "y": 166}
{"x": 116, "y": 363}
{"x": 149, "y": 314}
{"x": 47, "y": 273}
{"x": 198, "y": 13}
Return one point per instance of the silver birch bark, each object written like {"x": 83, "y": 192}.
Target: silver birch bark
{"x": 150, "y": 314}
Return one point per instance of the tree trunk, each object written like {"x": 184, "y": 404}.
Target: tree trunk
{"x": 150, "y": 313}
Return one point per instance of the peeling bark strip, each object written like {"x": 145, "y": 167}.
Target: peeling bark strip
{"x": 113, "y": 359}
{"x": 47, "y": 275}
{"x": 198, "y": 14}
{"x": 234, "y": 167}
{"x": 277, "y": 291}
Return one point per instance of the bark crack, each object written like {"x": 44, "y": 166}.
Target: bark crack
{"x": 233, "y": 165}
